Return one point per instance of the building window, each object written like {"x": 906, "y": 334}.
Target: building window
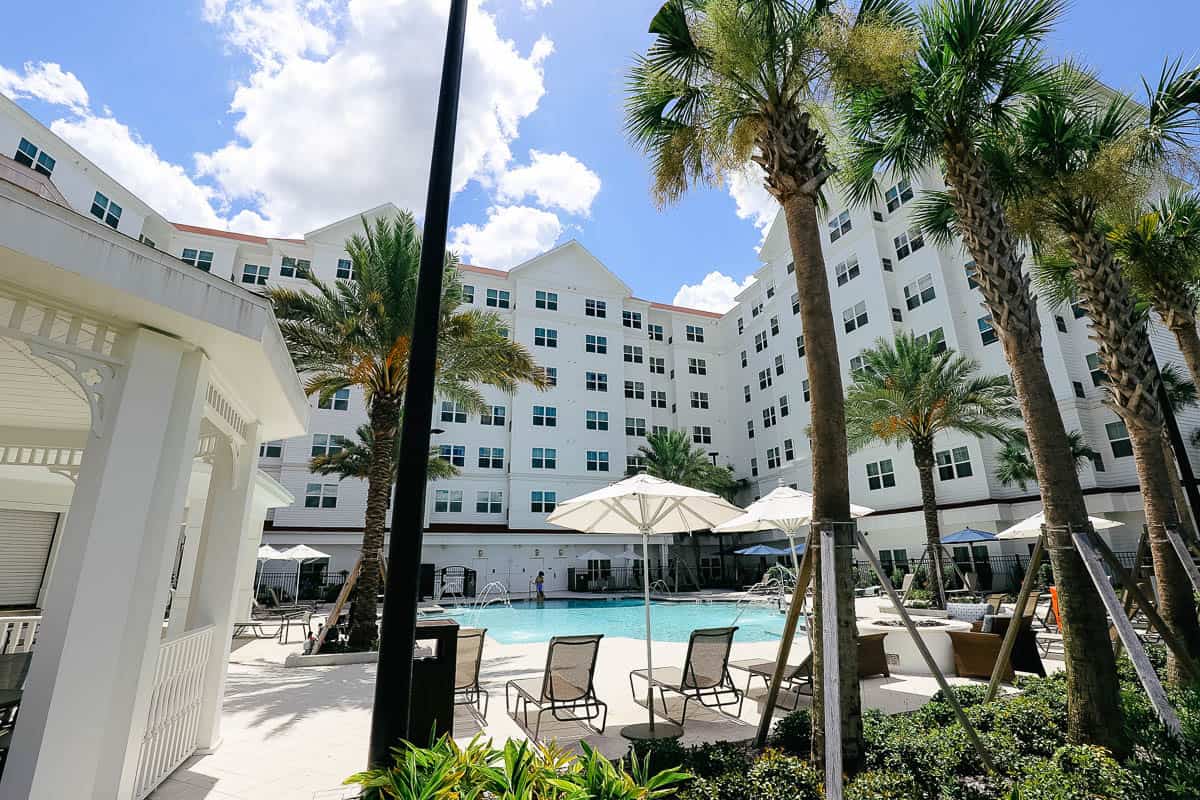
{"x": 255, "y": 274}
{"x": 886, "y": 263}
{"x": 919, "y": 292}
{"x": 764, "y": 378}
{"x": 595, "y": 344}
{"x": 839, "y": 226}
{"x": 453, "y": 454}
{"x": 597, "y": 420}
{"x": 907, "y": 243}
{"x": 773, "y": 460}
{"x": 756, "y": 309}
{"x": 741, "y": 326}
{"x": 697, "y": 366}
{"x": 658, "y": 430}
{"x": 857, "y": 363}
{"x": 635, "y": 426}
{"x": 805, "y": 393}
{"x": 701, "y": 434}
{"x": 345, "y": 270}
{"x": 271, "y": 449}
{"x": 880, "y": 475}
{"x": 320, "y": 495}
{"x": 936, "y": 338}
{"x": 39, "y": 161}
{"x": 146, "y": 240}
{"x": 545, "y": 337}
{"x": 290, "y": 267}
{"x": 545, "y": 300}
{"x": 491, "y": 457}
{"x": 543, "y": 458}
{"x": 595, "y": 308}
{"x": 1097, "y": 461}
{"x": 1118, "y": 439}
{"x": 492, "y": 415}
{"x": 633, "y": 354}
{"x": 795, "y": 303}
{"x": 595, "y": 381}
{"x": 1099, "y": 376}
{"x": 987, "y": 333}
{"x": 778, "y": 365}
{"x": 847, "y": 271}
{"x": 770, "y": 291}
{"x": 1078, "y": 387}
{"x": 498, "y": 298}
{"x": 489, "y": 502}
{"x": 543, "y": 502}
{"x": 658, "y": 365}
{"x": 597, "y": 461}
{"x": 695, "y": 333}
{"x": 898, "y": 195}
{"x": 754, "y": 467}
{"x": 632, "y": 319}
{"x": 453, "y": 412}
{"x": 855, "y": 316}
{"x": 746, "y": 391}
{"x": 635, "y": 390}
{"x": 969, "y": 269}
{"x": 744, "y": 360}
{"x": 768, "y": 416}
{"x": 655, "y": 332}
{"x": 791, "y": 267}
{"x": 699, "y": 399}
{"x": 789, "y": 451}
{"x": 545, "y": 416}
{"x": 327, "y": 444}
{"x": 749, "y": 429}
{"x": 783, "y": 405}
{"x": 774, "y": 322}
{"x": 760, "y": 341}
{"x": 953, "y": 464}
{"x": 800, "y": 346}
{"x": 1078, "y": 310}
{"x": 447, "y": 501}
{"x": 106, "y": 210}
{"x": 1060, "y": 323}
{"x": 658, "y": 399}
{"x": 551, "y": 374}
{"x": 338, "y": 401}
{"x": 468, "y": 294}
{"x": 200, "y": 259}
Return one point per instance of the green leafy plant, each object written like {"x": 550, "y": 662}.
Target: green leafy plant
{"x": 793, "y": 733}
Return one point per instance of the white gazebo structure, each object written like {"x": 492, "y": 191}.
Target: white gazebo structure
{"x": 137, "y": 392}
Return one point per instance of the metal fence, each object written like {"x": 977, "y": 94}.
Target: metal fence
{"x": 998, "y": 573}
{"x": 315, "y": 586}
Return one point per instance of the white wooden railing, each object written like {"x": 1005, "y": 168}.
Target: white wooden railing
{"x": 175, "y": 703}
{"x": 18, "y": 634}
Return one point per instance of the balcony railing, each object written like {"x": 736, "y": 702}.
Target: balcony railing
{"x": 18, "y": 634}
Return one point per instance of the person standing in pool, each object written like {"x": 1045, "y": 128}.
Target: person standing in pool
{"x": 540, "y": 583}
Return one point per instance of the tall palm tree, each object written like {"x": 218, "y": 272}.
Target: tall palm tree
{"x": 730, "y": 81}
{"x": 1014, "y": 467}
{"x": 358, "y": 333}
{"x": 978, "y": 62}
{"x": 354, "y": 458}
{"x": 909, "y": 393}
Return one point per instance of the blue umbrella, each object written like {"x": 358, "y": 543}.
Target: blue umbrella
{"x": 968, "y": 535}
{"x": 760, "y": 550}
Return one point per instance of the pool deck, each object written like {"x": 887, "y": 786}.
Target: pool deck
{"x": 298, "y": 732}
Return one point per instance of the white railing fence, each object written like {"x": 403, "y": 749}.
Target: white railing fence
{"x": 175, "y": 703}
{"x": 18, "y": 634}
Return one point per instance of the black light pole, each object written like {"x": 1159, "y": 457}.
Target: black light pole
{"x": 393, "y": 683}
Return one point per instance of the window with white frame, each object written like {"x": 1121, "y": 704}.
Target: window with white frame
{"x": 30, "y": 156}
{"x": 699, "y": 399}
{"x": 857, "y": 364}
{"x": 255, "y": 274}
{"x": 1097, "y": 461}
{"x": 953, "y": 463}
{"x": 489, "y": 502}
{"x": 756, "y": 309}
{"x": 593, "y": 343}
{"x": 880, "y": 475}
{"x": 595, "y": 381}
{"x": 754, "y": 467}
{"x": 635, "y": 390}
{"x": 453, "y": 411}
{"x": 635, "y": 426}
{"x": 338, "y": 401}
{"x": 749, "y": 429}
{"x": 795, "y": 303}
{"x": 551, "y": 374}
{"x": 632, "y": 319}
{"x": 987, "y": 332}
{"x": 595, "y": 308}
{"x": 635, "y": 464}
{"x": 855, "y": 316}
{"x": 658, "y": 430}
{"x": 969, "y": 269}
{"x": 448, "y": 501}
{"x": 106, "y": 210}
{"x": 1099, "y": 376}
{"x": 695, "y": 333}
{"x": 779, "y": 365}
{"x": 453, "y": 454}
{"x": 744, "y": 359}
{"x": 697, "y": 366}
{"x": 498, "y": 298}
{"x": 908, "y": 243}
{"x": 491, "y": 457}
{"x": 839, "y": 226}
{"x": 768, "y": 416}
{"x": 271, "y": 449}
{"x": 596, "y": 420}
{"x": 543, "y": 501}
{"x": 898, "y": 195}
{"x": 936, "y": 338}
{"x": 773, "y": 460}
{"x": 800, "y": 346}
{"x": 547, "y": 301}
{"x": 919, "y": 292}
{"x": 292, "y": 267}
{"x": 200, "y": 259}
{"x": 764, "y": 378}
{"x": 774, "y": 322}
{"x": 783, "y": 405}
{"x": 658, "y": 398}
{"x": 760, "y": 341}
{"x": 597, "y": 461}
{"x": 1118, "y": 439}
{"x": 658, "y": 365}
{"x": 1077, "y": 309}
{"x": 746, "y": 392}
{"x": 545, "y": 416}
{"x": 770, "y": 291}
{"x": 545, "y": 337}
{"x": 634, "y": 354}
{"x": 741, "y": 326}
{"x": 655, "y": 332}
{"x": 327, "y": 444}
{"x": 346, "y": 271}
{"x": 789, "y": 450}
{"x": 493, "y": 415}
{"x": 320, "y": 495}
{"x": 804, "y": 390}
{"x": 468, "y": 294}
{"x": 701, "y": 434}
{"x": 543, "y": 458}
{"x": 846, "y": 271}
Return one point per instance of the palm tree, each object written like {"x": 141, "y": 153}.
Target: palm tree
{"x": 978, "y": 62}
{"x": 727, "y": 82}
{"x": 358, "y": 333}
{"x": 354, "y": 459}
{"x": 909, "y": 393}
{"x": 1014, "y": 467}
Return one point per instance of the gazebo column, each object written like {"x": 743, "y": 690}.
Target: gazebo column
{"x": 86, "y": 701}
{"x": 220, "y": 564}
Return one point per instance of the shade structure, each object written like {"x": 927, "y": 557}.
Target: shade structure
{"x": 1031, "y": 528}
{"x": 301, "y": 553}
{"x": 785, "y": 509}
{"x": 649, "y": 506}
{"x": 268, "y": 553}
{"x": 594, "y": 555}
{"x": 761, "y": 550}
{"x": 968, "y": 536}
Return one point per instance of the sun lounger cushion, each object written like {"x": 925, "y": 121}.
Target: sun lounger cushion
{"x": 967, "y": 612}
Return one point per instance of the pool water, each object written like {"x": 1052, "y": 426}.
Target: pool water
{"x": 669, "y": 622}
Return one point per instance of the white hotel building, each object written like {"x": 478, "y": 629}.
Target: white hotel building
{"x": 736, "y": 382}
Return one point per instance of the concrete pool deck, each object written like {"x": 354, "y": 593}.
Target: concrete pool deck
{"x": 298, "y": 732}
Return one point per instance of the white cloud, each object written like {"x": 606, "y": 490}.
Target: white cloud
{"x": 511, "y": 235}
{"x": 533, "y": 5}
{"x": 557, "y": 181}
{"x": 715, "y": 293}
{"x": 754, "y": 202}
{"x": 271, "y": 30}
{"x": 45, "y": 81}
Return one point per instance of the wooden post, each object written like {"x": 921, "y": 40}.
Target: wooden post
{"x": 1135, "y": 574}
{"x": 785, "y": 642}
{"x": 1010, "y": 635}
{"x": 915, "y": 633}
{"x": 1085, "y": 543}
{"x": 343, "y": 596}
{"x": 830, "y": 684}
{"x": 1185, "y": 558}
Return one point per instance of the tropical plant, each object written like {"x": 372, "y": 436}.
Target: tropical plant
{"x": 1014, "y": 466}
{"x": 353, "y": 460}
{"x": 977, "y": 64}
{"x": 727, "y": 82}
{"x": 358, "y": 332}
{"x": 907, "y": 392}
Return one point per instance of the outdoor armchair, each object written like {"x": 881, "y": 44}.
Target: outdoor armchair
{"x": 976, "y": 651}
{"x": 467, "y": 690}
{"x": 705, "y": 674}
{"x": 566, "y": 687}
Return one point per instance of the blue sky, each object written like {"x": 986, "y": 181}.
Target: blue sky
{"x": 277, "y": 116}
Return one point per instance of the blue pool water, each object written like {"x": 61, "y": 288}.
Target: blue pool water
{"x": 669, "y": 622}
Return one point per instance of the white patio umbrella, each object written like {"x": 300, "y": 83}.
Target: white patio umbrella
{"x": 646, "y": 505}
{"x": 301, "y": 553}
{"x": 594, "y": 555}
{"x": 1031, "y": 528}
{"x": 785, "y": 509}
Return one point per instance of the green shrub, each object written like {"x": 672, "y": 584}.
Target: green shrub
{"x": 773, "y": 777}
{"x": 1076, "y": 772}
{"x": 662, "y": 753}
{"x": 793, "y": 733}
{"x": 882, "y": 786}
{"x": 718, "y": 758}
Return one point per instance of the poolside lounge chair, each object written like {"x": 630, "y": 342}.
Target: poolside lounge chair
{"x": 969, "y": 588}
{"x": 705, "y": 674}
{"x": 467, "y": 690}
{"x": 976, "y": 651}
{"x": 566, "y": 687}
{"x": 872, "y": 661}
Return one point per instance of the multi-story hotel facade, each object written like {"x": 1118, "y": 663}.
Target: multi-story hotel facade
{"x": 622, "y": 366}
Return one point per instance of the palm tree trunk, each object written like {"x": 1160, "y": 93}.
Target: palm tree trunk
{"x": 923, "y": 456}
{"x": 1188, "y": 340}
{"x": 1093, "y": 696}
{"x": 384, "y": 418}
{"x": 830, "y": 471}
{"x": 1183, "y": 509}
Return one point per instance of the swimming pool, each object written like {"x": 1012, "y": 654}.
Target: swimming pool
{"x": 670, "y": 622}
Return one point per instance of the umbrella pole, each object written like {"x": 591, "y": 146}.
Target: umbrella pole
{"x": 649, "y": 657}
{"x": 795, "y": 559}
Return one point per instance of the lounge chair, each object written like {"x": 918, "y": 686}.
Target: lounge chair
{"x": 705, "y": 674}
{"x": 872, "y": 661}
{"x": 995, "y": 601}
{"x": 467, "y": 690}
{"x": 565, "y": 688}
{"x": 976, "y": 651}
{"x": 969, "y": 589}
